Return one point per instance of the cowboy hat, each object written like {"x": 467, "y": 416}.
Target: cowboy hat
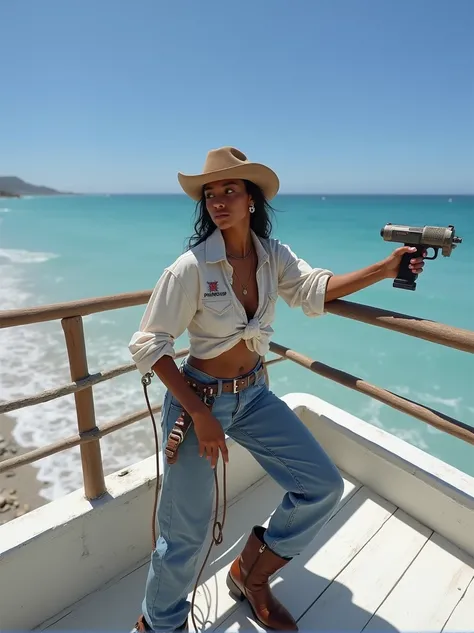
{"x": 229, "y": 162}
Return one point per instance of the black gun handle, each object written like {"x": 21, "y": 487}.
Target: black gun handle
{"x": 406, "y": 279}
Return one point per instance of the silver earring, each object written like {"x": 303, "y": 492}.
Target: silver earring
{"x": 252, "y": 208}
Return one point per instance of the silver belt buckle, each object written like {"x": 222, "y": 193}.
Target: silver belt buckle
{"x": 235, "y": 390}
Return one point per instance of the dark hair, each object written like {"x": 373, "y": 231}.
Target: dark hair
{"x": 260, "y": 221}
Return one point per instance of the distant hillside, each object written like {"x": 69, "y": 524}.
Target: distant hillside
{"x": 11, "y": 185}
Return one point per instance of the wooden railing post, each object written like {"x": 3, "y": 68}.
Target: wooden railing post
{"x": 92, "y": 470}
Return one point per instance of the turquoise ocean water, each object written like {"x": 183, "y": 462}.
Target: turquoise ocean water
{"x": 63, "y": 248}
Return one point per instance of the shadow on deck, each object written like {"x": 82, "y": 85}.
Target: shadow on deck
{"x": 371, "y": 568}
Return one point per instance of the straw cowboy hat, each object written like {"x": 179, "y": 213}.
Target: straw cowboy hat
{"x": 229, "y": 162}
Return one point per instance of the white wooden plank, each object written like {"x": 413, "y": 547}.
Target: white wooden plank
{"x": 462, "y": 618}
{"x": 425, "y": 487}
{"x": 213, "y": 600}
{"x": 428, "y": 592}
{"x": 116, "y": 605}
{"x": 354, "y": 595}
{"x": 300, "y": 583}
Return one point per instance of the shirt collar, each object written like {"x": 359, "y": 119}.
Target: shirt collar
{"x": 215, "y": 248}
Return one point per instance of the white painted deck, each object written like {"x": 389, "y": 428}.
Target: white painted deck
{"x": 371, "y": 568}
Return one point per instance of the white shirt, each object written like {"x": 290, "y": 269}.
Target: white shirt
{"x": 195, "y": 293}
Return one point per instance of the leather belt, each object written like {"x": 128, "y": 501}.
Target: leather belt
{"x": 207, "y": 392}
{"x": 231, "y": 385}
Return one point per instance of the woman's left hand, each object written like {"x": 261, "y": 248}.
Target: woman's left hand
{"x": 393, "y": 261}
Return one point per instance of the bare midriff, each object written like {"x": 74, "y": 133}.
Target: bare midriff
{"x": 235, "y": 362}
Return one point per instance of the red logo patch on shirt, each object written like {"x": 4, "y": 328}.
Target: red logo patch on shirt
{"x": 213, "y": 290}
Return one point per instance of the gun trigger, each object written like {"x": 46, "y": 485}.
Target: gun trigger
{"x": 435, "y": 249}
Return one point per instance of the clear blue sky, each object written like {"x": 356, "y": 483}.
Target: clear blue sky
{"x": 336, "y": 95}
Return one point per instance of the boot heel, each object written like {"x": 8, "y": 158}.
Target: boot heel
{"x": 234, "y": 590}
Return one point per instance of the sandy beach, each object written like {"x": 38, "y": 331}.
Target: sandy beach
{"x": 19, "y": 488}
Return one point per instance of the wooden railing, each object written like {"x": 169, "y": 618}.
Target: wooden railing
{"x": 81, "y": 385}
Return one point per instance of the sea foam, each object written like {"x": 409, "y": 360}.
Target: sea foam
{"x": 15, "y": 256}
{"x": 34, "y": 358}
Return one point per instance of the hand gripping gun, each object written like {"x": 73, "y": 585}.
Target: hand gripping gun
{"x": 423, "y": 237}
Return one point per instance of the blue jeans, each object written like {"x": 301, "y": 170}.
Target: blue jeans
{"x": 261, "y": 422}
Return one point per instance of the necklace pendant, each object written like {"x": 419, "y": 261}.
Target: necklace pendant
{"x": 244, "y": 291}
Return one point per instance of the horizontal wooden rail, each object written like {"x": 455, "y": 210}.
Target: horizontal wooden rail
{"x": 83, "y": 307}
{"x": 75, "y": 440}
{"x": 273, "y": 361}
{"x": 425, "y": 414}
{"x": 432, "y": 331}
{"x": 72, "y": 387}
{"x": 65, "y": 390}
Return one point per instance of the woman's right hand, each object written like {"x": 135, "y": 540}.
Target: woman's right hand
{"x": 211, "y": 437}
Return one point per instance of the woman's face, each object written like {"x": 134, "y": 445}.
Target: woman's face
{"x": 227, "y": 202}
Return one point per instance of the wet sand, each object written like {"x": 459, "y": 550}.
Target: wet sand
{"x": 19, "y": 488}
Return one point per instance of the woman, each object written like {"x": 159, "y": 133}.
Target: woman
{"x": 223, "y": 290}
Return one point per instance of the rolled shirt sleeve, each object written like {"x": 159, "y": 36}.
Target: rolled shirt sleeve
{"x": 300, "y": 285}
{"x": 167, "y": 315}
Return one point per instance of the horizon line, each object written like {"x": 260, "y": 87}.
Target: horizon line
{"x": 288, "y": 193}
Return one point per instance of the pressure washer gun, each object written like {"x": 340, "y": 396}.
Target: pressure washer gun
{"x": 423, "y": 237}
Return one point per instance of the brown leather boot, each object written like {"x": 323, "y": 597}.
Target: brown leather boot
{"x": 248, "y": 578}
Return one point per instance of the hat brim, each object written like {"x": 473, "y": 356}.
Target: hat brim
{"x": 260, "y": 175}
